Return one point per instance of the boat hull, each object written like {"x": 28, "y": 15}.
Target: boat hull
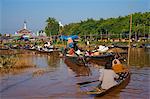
{"x": 120, "y": 85}
{"x": 100, "y": 60}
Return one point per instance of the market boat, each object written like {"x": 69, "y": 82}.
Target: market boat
{"x": 101, "y": 92}
{"x": 55, "y": 51}
{"x": 100, "y": 59}
{"x": 84, "y": 60}
{"x": 48, "y": 51}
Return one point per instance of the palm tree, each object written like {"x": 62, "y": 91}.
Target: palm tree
{"x": 52, "y": 27}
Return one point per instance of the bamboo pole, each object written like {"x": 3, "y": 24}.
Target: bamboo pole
{"x": 129, "y": 40}
{"x": 144, "y": 30}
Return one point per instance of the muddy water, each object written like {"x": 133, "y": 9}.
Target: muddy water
{"x": 51, "y": 78}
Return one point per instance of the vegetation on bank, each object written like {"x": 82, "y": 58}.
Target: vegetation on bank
{"x": 111, "y": 27}
{"x": 102, "y": 31}
{"x": 52, "y": 27}
{"x": 12, "y": 62}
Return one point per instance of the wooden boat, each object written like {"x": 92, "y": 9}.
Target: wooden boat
{"x": 101, "y": 56}
{"x": 4, "y": 48}
{"x": 79, "y": 68}
{"x": 48, "y": 51}
{"x": 78, "y": 60}
{"x": 51, "y": 51}
{"x": 100, "y": 59}
{"x": 83, "y": 60}
{"x": 100, "y": 92}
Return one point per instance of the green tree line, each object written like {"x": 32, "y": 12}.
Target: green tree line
{"x": 111, "y": 26}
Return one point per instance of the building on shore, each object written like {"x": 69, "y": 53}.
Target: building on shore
{"x": 24, "y": 32}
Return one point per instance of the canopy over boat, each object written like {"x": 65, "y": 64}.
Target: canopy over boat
{"x": 73, "y": 37}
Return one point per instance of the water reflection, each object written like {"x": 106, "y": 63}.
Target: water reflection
{"x": 79, "y": 70}
{"x": 52, "y": 78}
{"x": 139, "y": 57}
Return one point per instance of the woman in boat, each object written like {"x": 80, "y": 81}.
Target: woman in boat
{"x": 107, "y": 77}
{"x": 70, "y": 43}
{"x": 118, "y": 67}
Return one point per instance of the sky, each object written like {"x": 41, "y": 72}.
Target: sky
{"x": 35, "y": 12}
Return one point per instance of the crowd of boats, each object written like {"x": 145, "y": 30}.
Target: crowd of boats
{"x": 71, "y": 50}
{"x": 77, "y": 57}
{"x": 79, "y": 60}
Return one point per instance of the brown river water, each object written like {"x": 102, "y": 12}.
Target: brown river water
{"x": 51, "y": 78}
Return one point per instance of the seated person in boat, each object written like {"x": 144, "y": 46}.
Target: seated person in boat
{"x": 76, "y": 48}
{"x": 70, "y": 43}
{"x": 118, "y": 67}
{"x": 107, "y": 77}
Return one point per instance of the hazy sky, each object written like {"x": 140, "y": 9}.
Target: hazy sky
{"x": 35, "y": 12}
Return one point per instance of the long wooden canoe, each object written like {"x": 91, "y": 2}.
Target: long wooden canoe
{"x": 101, "y": 59}
{"x": 52, "y": 52}
{"x": 100, "y": 92}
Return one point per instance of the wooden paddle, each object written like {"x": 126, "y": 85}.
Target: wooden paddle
{"x": 87, "y": 82}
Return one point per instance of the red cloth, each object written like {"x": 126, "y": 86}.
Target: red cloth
{"x": 71, "y": 51}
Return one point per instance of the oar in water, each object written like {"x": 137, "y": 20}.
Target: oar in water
{"x": 87, "y": 82}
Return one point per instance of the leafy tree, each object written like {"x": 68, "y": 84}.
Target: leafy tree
{"x": 52, "y": 27}
{"x": 114, "y": 27}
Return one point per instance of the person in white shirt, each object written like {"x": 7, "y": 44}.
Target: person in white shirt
{"x": 107, "y": 77}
